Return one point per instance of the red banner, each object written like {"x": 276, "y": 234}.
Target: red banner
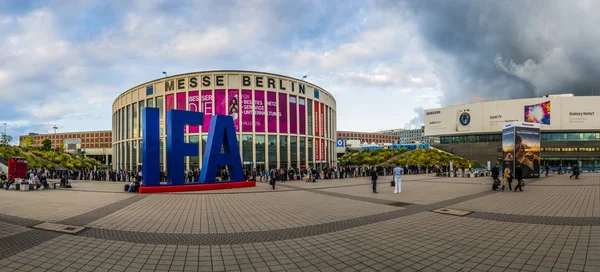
{"x": 322, "y": 112}
{"x": 316, "y": 119}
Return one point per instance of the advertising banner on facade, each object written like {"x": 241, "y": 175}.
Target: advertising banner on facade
{"x": 293, "y": 115}
{"x": 247, "y": 111}
{"x": 259, "y": 111}
{"x": 207, "y": 108}
{"x": 233, "y": 107}
{"x": 538, "y": 113}
{"x": 181, "y": 105}
{"x": 194, "y": 105}
{"x": 322, "y": 121}
{"x": 283, "y": 120}
{"x": 316, "y": 148}
{"x": 508, "y": 147}
{"x": 553, "y": 113}
{"x": 316, "y": 121}
{"x": 527, "y": 148}
{"x": 169, "y": 105}
{"x": 220, "y": 102}
{"x": 272, "y": 112}
{"x": 302, "y": 114}
{"x": 323, "y": 151}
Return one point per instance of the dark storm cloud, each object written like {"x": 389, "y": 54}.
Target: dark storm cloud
{"x": 487, "y": 50}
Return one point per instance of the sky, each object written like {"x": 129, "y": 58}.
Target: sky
{"x": 64, "y": 62}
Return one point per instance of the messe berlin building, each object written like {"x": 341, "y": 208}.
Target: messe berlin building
{"x": 569, "y": 124}
{"x": 280, "y": 121}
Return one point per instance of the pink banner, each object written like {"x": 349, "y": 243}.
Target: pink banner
{"x": 293, "y": 115}
{"x": 302, "y": 114}
{"x": 207, "y": 108}
{"x": 322, "y": 121}
{"x": 272, "y": 112}
{"x": 180, "y": 98}
{"x": 169, "y": 105}
{"x": 316, "y": 119}
{"x": 233, "y": 107}
{"x": 194, "y": 105}
{"x": 283, "y": 124}
{"x": 259, "y": 111}
{"x": 247, "y": 110}
{"x": 220, "y": 107}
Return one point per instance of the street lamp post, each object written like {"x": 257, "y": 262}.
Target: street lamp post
{"x": 55, "y": 141}
{"x": 165, "y": 73}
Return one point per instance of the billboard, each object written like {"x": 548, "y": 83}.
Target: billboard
{"x": 207, "y": 108}
{"x": 293, "y": 115}
{"x": 283, "y": 123}
{"x": 233, "y": 107}
{"x": 259, "y": 111}
{"x": 568, "y": 113}
{"x": 538, "y": 113}
{"x": 302, "y": 114}
{"x": 194, "y": 105}
{"x": 272, "y": 112}
{"x": 527, "y": 149}
{"x": 247, "y": 110}
{"x": 508, "y": 145}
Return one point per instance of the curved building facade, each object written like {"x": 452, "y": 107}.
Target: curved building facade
{"x": 570, "y": 128}
{"x": 280, "y": 122}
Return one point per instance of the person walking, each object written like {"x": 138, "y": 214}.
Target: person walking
{"x": 575, "y": 171}
{"x": 374, "y": 180}
{"x": 547, "y": 169}
{"x": 273, "y": 177}
{"x": 495, "y": 175}
{"x": 506, "y": 176}
{"x": 398, "y": 179}
{"x": 519, "y": 177}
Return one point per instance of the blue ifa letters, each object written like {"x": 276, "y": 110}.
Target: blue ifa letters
{"x": 221, "y": 134}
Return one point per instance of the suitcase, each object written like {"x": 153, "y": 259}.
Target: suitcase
{"x": 126, "y": 188}
{"x": 393, "y": 183}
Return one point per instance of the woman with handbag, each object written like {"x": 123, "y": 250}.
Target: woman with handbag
{"x": 506, "y": 176}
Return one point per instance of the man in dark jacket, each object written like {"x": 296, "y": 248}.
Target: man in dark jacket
{"x": 495, "y": 174}
{"x": 374, "y": 179}
{"x": 519, "y": 177}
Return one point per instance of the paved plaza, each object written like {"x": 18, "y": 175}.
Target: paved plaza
{"x": 330, "y": 225}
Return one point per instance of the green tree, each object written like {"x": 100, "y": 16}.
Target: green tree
{"x": 26, "y": 142}
{"x": 5, "y": 139}
{"x": 47, "y": 144}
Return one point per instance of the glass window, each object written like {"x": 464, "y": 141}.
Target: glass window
{"x": 140, "y": 153}
{"x": 309, "y": 117}
{"x": 302, "y": 152}
{"x": 294, "y": 151}
{"x": 326, "y": 121}
{"x": 310, "y": 151}
{"x": 134, "y": 153}
{"x": 247, "y": 143}
{"x": 150, "y": 103}
{"x": 140, "y": 120}
{"x": 161, "y": 114}
{"x": 283, "y": 154}
{"x": 162, "y": 147}
{"x": 260, "y": 150}
{"x": 272, "y": 149}
{"x": 135, "y": 121}
{"x": 195, "y": 160}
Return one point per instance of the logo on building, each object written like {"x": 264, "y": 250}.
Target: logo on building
{"x": 340, "y": 143}
{"x": 433, "y": 112}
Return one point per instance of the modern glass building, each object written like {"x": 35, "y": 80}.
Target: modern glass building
{"x": 280, "y": 121}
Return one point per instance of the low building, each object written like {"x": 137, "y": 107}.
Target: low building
{"x": 409, "y": 136}
{"x": 366, "y": 137}
{"x": 94, "y": 144}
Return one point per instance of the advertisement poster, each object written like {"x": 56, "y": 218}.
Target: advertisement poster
{"x": 293, "y": 115}
{"x": 316, "y": 122}
{"x": 247, "y": 110}
{"x": 508, "y": 146}
{"x": 283, "y": 123}
{"x": 322, "y": 121}
{"x": 207, "y": 108}
{"x": 233, "y": 107}
{"x": 302, "y": 114}
{"x": 259, "y": 111}
{"x": 181, "y": 105}
{"x": 323, "y": 150}
{"x": 527, "y": 149}
{"x": 169, "y": 105}
{"x": 317, "y": 153}
{"x": 272, "y": 112}
{"x": 194, "y": 105}
{"x": 538, "y": 113}
{"x": 220, "y": 101}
